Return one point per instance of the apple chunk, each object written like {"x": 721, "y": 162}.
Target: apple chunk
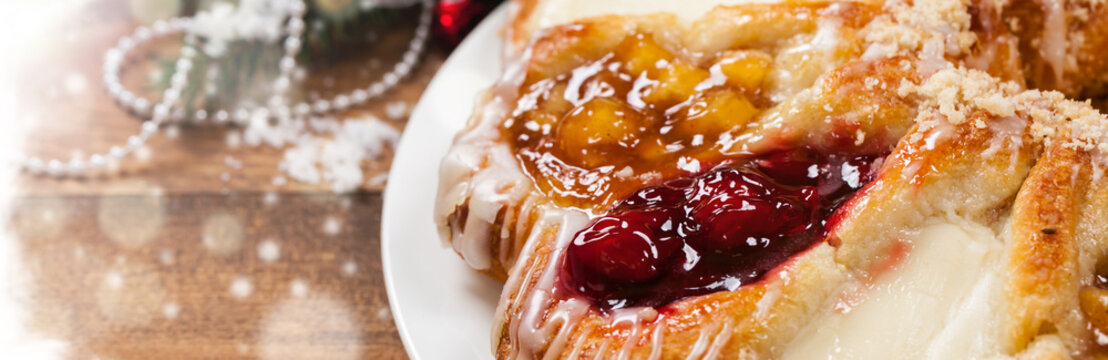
{"x": 593, "y": 129}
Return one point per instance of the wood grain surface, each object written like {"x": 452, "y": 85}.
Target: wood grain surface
{"x": 204, "y": 276}
{"x": 170, "y": 258}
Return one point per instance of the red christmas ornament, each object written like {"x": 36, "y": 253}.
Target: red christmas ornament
{"x": 454, "y": 19}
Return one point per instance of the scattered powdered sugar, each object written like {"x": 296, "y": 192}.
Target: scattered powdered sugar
{"x": 171, "y": 310}
{"x": 270, "y": 198}
{"x": 337, "y": 159}
{"x": 378, "y": 180}
{"x": 275, "y": 132}
{"x": 241, "y": 287}
{"x": 301, "y": 162}
{"x": 384, "y": 314}
{"x": 114, "y": 280}
{"x": 316, "y": 149}
{"x": 75, "y": 83}
{"x": 233, "y": 139}
{"x": 232, "y": 162}
{"x": 349, "y": 268}
{"x": 224, "y": 23}
{"x": 143, "y": 154}
{"x": 166, "y": 257}
{"x": 172, "y": 131}
{"x": 269, "y": 251}
{"x": 323, "y": 150}
{"x": 298, "y": 288}
{"x": 332, "y": 226}
{"x": 396, "y": 110}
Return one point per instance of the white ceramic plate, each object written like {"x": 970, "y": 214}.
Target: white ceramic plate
{"x": 442, "y": 308}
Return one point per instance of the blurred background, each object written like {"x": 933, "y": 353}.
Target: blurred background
{"x": 202, "y": 178}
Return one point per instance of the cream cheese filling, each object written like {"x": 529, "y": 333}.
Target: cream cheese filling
{"x": 939, "y": 302}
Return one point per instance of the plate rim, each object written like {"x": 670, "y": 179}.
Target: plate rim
{"x": 496, "y": 19}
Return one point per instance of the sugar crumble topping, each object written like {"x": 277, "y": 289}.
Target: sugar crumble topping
{"x": 956, "y": 93}
{"x": 936, "y": 30}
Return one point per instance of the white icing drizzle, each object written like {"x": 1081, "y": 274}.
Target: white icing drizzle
{"x": 1098, "y": 167}
{"x": 1053, "y": 43}
{"x": 1007, "y": 130}
{"x": 719, "y": 341}
{"x": 634, "y": 317}
{"x": 803, "y": 59}
{"x": 514, "y": 288}
{"x": 942, "y": 132}
{"x": 533, "y": 328}
{"x": 769, "y": 298}
{"x": 701, "y": 343}
{"x": 656, "y": 341}
{"x": 986, "y": 55}
{"x": 932, "y": 57}
{"x": 480, "y": 173}
{"x": 716, "y": 77}
{"x": 602, "y": 350}
{"x": 521, "y": 216}
{"x": 1007, "y": 133}
{"x": 488, "y": 181}
{"x": 574, "y": 93}
{"x": 567, "y": 313}
{"x": 575, "y": 350}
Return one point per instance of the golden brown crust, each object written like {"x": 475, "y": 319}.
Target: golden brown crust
{"x": 1057, "y": 238}
{"x": 1062, "y": 43}
{"x": 970, "y": 148}
{"x": 1043, "y": 254}
{"x": 823, "y": 116}
{"x": 723, "y": 322}
{"x": 1009, "y": 45}
{"x": 517, "y": 31}
{"x": 997, "y": 50}
{"x": 943, "y": 172}
{"x": 758, "y": 319}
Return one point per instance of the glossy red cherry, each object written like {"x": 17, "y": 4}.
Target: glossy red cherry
{"x": 791, "y": 167}
{"x": 859, "y": 171}
{"x": 657, "y": 196}
{"x": 716, "y": 231}
{"x": 625, "y": 247}
{"x": 747, "y": 223}
{"x": 730, "y": 181}
{"x": 844, "y": 175}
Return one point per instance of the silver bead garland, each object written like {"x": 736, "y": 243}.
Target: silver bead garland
{"x": 164, "y": 112}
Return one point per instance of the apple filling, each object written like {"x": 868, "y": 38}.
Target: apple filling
{"x": 636, "y": 115}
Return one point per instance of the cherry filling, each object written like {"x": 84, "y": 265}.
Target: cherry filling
{"x": 716, "y": 231}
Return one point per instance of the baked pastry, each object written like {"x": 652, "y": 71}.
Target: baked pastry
{"x": 1051, "y": 44}
{"x": 1063, "y": 44}
{"x": 530, "y": 17}
{"x": 793, "y": 180}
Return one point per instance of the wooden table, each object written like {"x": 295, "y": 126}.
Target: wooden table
{"x": 171, "y": 258}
